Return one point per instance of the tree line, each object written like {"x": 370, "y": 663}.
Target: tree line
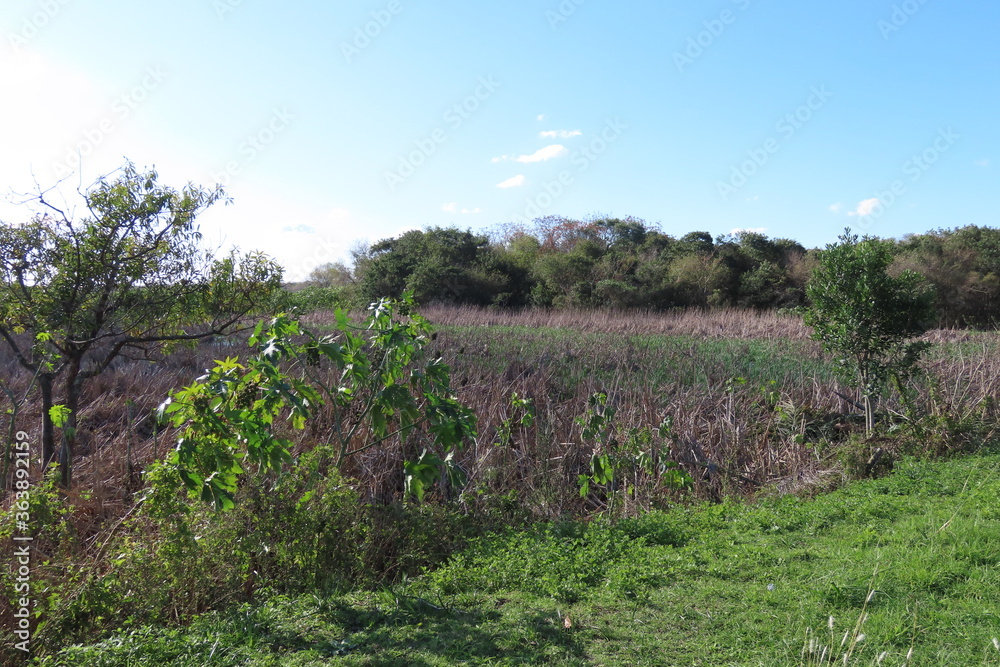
{"x": 629, "y": 263}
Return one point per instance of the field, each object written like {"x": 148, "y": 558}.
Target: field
{"x": 729, "y": 533}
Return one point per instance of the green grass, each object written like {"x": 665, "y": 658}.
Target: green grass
{"x": 912, "y": 561}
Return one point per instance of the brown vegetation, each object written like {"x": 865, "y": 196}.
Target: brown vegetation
{"x": 733, "y": 431}
{"x": 731, "y": 437}
{"x": 709, "y": 323}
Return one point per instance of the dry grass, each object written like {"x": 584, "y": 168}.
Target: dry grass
{"x": 726, "y": 435}
{"x": 732, "y": 438}
{"x": 719, "y": 323}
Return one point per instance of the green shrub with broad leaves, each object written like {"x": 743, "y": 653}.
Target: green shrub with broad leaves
{"x": 386, "y": 388}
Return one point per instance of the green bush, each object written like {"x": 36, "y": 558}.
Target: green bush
{"x": 303, "y": 530}
{"x": 315, "y": 297}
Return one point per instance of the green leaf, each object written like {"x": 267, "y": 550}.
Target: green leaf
{"x": 59, "y": 414}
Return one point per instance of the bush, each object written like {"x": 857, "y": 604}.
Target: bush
{"x": 303, "y": 530}
{"x": 315, "y": 297}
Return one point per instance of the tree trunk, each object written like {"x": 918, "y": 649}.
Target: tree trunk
{"x": 74, "y": 384}
{"x": 48, "y": 433}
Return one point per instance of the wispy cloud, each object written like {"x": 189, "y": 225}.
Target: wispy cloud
{"x": 541, "y": 155}
{"x": 471, "y": 211}
{"x": 541, "y": 117}
{"x": 514, "y": 182}
{"x": 866, "y": 207}
{"x": 559, "y": 134}
{"x": 836, "y": 207}
{"x": 983, "y": 163}
{"x": 753, "y": 230}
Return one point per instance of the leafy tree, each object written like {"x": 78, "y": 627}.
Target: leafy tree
{"x": 332, "y": 274}
{"x": 964, "y": 267}
{"x": 698, "y": 279}
{"x": 569, "y": 275}
{"x": 866, "y": 317}
{"x": 627, "y": 232}
{"x": 436, "y": 264}
{"x": 130, "y": 277}
{"x": 696, "y": 242}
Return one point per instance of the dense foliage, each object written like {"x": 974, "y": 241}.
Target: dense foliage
{"x": 629, "y": 263}
{"x": 867, "y": 318}
{"x": 384, "y": 387}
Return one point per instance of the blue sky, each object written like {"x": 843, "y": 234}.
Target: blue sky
{"x": 335, "y": 122}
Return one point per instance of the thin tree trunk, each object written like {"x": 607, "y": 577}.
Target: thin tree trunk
{"x": 74, "y": 385}
{"x": 48, "y": 432}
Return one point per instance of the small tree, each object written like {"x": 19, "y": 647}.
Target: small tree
{"x": 866, "y": 317}
{"x": 123, "y": 281}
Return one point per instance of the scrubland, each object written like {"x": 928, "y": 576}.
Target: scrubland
{"x": 746, "y": 508}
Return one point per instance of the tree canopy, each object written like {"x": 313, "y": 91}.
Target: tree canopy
{"x": 126, "y": 278}
{"x": 608, "y": 262}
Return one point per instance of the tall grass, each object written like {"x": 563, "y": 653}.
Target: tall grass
{"x": 716, "y": 323}
{"x": 753, "y": 401}
{"x": 753, "y": 404}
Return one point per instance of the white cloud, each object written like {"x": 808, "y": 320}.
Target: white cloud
{"x": 515, "y": 182}
{"x": 541, "y": 117}
{"x": 543, "y": 154}
{"x": 836, "y": 207}
{"x": 471, "y": 211}
{"x": 983, "y": 163}
{"x": 754, "y": 198}
{"x": 866, "y": 207}
{"x": 561, "y": 134}
{"x": 753, "y": 230}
